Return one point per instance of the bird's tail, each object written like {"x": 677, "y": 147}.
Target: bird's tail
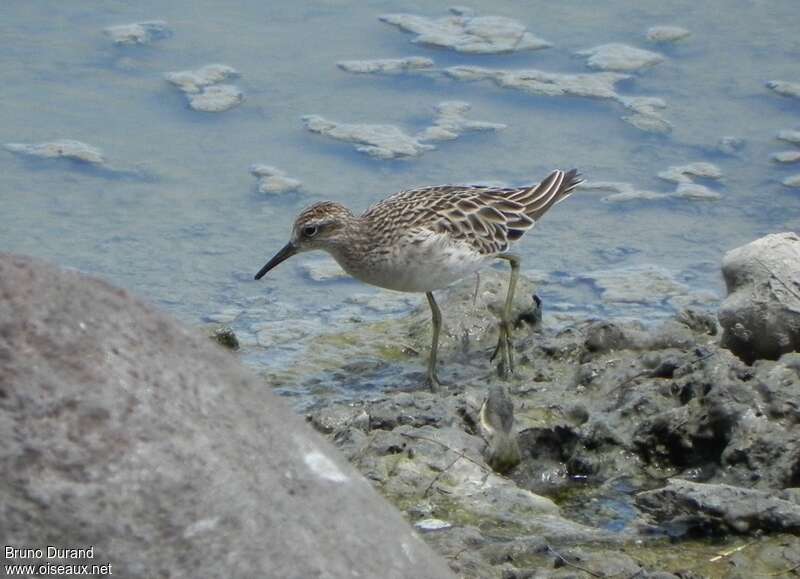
{"x": 556, "y": 187}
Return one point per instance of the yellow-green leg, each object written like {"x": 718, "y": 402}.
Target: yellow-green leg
{"x": 506, "y": 365}
{"x": 436, "y": 318}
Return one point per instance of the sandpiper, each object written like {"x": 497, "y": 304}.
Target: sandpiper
{"x": 428, "y": 238}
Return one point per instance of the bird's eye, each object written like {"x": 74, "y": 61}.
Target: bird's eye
{"x": 309, "y": 230}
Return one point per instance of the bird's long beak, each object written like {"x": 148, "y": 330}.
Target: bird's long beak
{"x": 288, "y": 251}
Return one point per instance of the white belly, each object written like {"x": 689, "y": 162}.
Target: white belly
{"x": 433, "y": 264}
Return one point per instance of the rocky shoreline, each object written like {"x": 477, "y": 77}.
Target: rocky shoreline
{"x": 633, "y": 439}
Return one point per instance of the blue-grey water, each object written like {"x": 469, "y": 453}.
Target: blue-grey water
{"x": 176, "y": 217}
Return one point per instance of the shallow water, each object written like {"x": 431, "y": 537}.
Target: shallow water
{"x": 176, "y": 216}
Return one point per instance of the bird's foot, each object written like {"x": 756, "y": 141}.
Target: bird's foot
{"x": 432, "y": 381}
{"x": 505, "y": 365}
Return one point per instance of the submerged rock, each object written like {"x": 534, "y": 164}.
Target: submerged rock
{"x": 216, "y": 99}
{"x": 203, "y": 91}
{"x": 379, "y": 141}
{"x": 730, "y": 145}
{"x": 450, "y": 122}
{"x": 386, "y": 65}
{"x": 593, "y": 85}
{"x": 138, "y": 32}
{"x": 696, "y": 192}
{"x": 601, "y": 85}
{"x": 65, "y": 149}
{"x": 786, "y": 157}
{"x": 761, "y": 315}
{"x": 193, "y": 81}
{"x": 390, "y": 142}
{"x": 620, "y": 58}
{"x": 667, "y": 33}
{"x": 465, "y": 32}
{"x": 789, "y": 136}
{"x": 684, "y": 173}
{"x": 643, "y": 285}
{"x": 126, "y": 432}
{"x": 646, "y": 116}
{"x": 323, "y": 270}
{"x": 274, "y": 180}
{"x": 785, "y": 88}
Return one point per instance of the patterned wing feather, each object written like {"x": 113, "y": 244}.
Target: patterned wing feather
{"x": 487, "y": 218}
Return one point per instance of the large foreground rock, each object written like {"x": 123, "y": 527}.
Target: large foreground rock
{"x": 124, "y": 432}
{"x": 761, "y": 315}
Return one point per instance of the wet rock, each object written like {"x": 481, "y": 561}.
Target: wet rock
{"x": 761, "y": 314}
{"x": 601, "y": 563}
{"x": 698, "y": 321}
{"x": 620, "y": 58}
{"x": 379, "y": 141}
{"x": 782, "y": 87}
{"x": 226, "y": 338}
{"x": 390, "y": 142}
{"x": 786, "y": 157}
{"x": 793, "y": 181}
{"x": 684, "y": 173}
{"x": 763, "y": 450}
{"x": 202, "y": 88}
{"x": 64, "y": 149}
{"x": 126, "y": 432}
{"x": 274, "y": 180}
{"x": 450, "y": 122}
{"x": 699, "y": 509}
{"x": 465, "y": 32}
{"x": 138, "y": 32}
{"x": 387, "y": 65}
{"x": 667, "y": 33}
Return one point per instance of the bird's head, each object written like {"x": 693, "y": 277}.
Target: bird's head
{"x": 320, "y": 226}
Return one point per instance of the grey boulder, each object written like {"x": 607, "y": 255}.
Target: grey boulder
{"x": 761, "y": 315}
{"x": 127, "y": 433}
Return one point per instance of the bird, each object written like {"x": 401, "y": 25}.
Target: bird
{"x": 426, "y": 239}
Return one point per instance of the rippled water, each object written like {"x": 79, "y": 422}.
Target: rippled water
{"x": 177, "y": 218}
